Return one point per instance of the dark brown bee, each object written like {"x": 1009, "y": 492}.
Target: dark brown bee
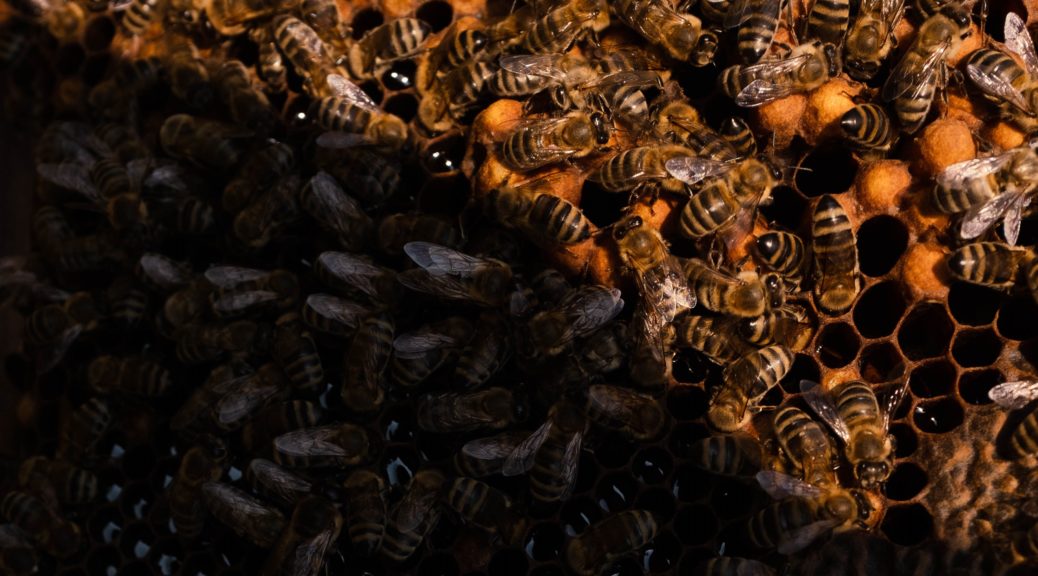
{"x": 248, "y": 106}
{"x": 610, "y": 539}
{"x": 450, "y": 274}
{"x": 757, "y": 21}
{"x": 50, "y": 532}
{"x": 636, "y": 415}
{"x": 272, "y": 481}
{"x": 231, "y": 17}
{"x": 241, "y": 291}
{"x": 17, "y": 553}
{"x": 356, "y": 275}
{"x": 312, "y": 530}
{"x": 84, "y": 430}
{"x": 457, "y": 46}
{"x": 736, "y": 455}
{"x": 128, "y": 304}
{"x": 336, "y": 212}
{"x": 417, "y": 354}
{"x": 366, "y": 360}
{"x": 258, "y": 170}
{"x": 187, "y": 509}
{"x": 543, "y": 216}
{"x": 197, "y": 344}
{"x": 551, "y": 454}
{"x": 277, "y": 419}
{"x": 243, "y": 513}
{"x": 710, "y": 335}
{"x": 341, "y": 444}
{"x": 414, "y": 516}
{"x": 493, "y": 409}
{"x": 270, "y": 214}
{"x": 371, "y": 177}
{"x": 71, "y": 484}
{"x": 584, "y": 310}
{"x": 207, "y": 143}
{"x": 188, "y": 75}
{"x": 746, "y": 381}
{"x": 396, "y": 230}
{"x": 737, "y": 132}
{"x": 129, "y": 375}
{"x": 488, "y": 352}
{"x": 250, "y": 394}
{"x": 487, "y": 508}
{"x": 486, "y": 456}
{"x": 295, "y": 351}
{"x": 868, "y": 129}
{"x": 366, "y": 504}
{"x": 354, "y": 117}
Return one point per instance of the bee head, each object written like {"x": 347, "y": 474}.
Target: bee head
{"x": 871, "y": 475}
{"x": 706, "y": 49}
{"x": 602, "y": 127}
{"x": 832, "y": 57}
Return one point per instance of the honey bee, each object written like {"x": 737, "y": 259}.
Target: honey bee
{"x": 486, "y": 456}
{"x": 272, "y": 481}
{"x": 332, "y": 315}
{"x": 853, "y": 412}
{"x": 312, "y": 530}
{"x": 49, "y": 531}
{"x": 324, "y": 17}
{"x": 541, "y": 215}
{"x": 161, "y": 273}
{"x": 124, "y": 141}
{"x": 414, "y": 516}
{"x": 787, "y": 325}
{"x": 738, "y": 134}
{"x": 837, "y": 277}
{"x": 267, "y": 164}
{"x": 372, "y": 177}
{"x": 617, "y": 536}
{"x": 1002, "y": 80}
{"x": 52, "y": 329}
{"x": 681, "y": 35}
{"x": 270, "y": 64}
{"x": 396, "y": 230}
{"x": 728, "y": 199}
{"x": 366, "y": 360}
{"x": 538, "y": 143}
{"x": 107, "y": 184}
{"x": 733, "y": 566}
{"x": 487, "y": 508}
{"x": 303, "y": 47}
{"x": 251, "y": 393}
{"x": 243, "y": 513}
{"x": 550, "y": 332}
{"x": 197, "y": 344}
{"x": 366, "y": 503}
{"x": 336, "y": 212}
{"x": 923, "y": 70}
{"x": 50, "y": 230}
{"x": 757, "y": 21}
{"x": 269, "y": 215}
{"x": 272, "y": 421}
{"x": 185, "y": 306}
{"x": 446, "y": 103}
{"x": 827, "y": 21}
{"x": 71, "y": 484}
{"x": 295, "y": 352}
{"x": 200, "y": 464}
{"x": 806, "y": 447}
{"x": 17, "y": 554}
{"x": 868, "y": 129}
{"x": 188, "y": 76}
{"x": 710, "y": 335}
{"x": 234, "y": 17}
{"x": 248, "y": 106}
{"x": 398, "y": 39}
{"x": 551, "y": 454}
{"x": 240, "y": 291}
{"x": 196, "y": 411}
{"x": 493, "y": 409}
{"x": 744, "y": 296}
{"x": 526, "y": 74}
{"x": 636, "y": 415}
{"x": 356, "y": 275}
{"x": 1014, "y": 395}
{"x": 83, "y": 431}
{"x": 783, "y": 253}
{"x": 205, "y": 143}
{"x": 456, "y": 48}
{"x": 807, "y": 67}
{"x": 488, "y": 352}
{"x": 636, "y": 168}
{"x": 341, "y": 444}
{"x": 351, "y": 111}
{"x": 736, "y": 455}
{"x": 746, "y": 381}
{"x": 992, "y": 264}
{"x": 679, "y": 121}
{"x": 130, "y": 374}
{"x": 989, "y": 189}
{"x": 557, "y": 30}
{"x": 450, "y": 274}
{"x": 871, "y": 37}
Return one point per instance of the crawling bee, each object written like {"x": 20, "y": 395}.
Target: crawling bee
{"x": 610, "y": 539}
{"x": 311, "y": 531}
{"x": 243, "y": 513}
{"x": 366, "y": 504}
{"x": 272, "y": 481}
{"x": 550, "y": 332}
{"x": 450, "y": 274}
{"x": 486, "y": 456}
{"x": 636, "y": 415}
{"x": 557, "y": 30}
{"x": 493, "y": 408}
{"x": 129, "y": 374}
{"x": 487, "y": 508}
{"x": 735, "y": 455}
{"x": 1023, "y": 438}
{"x": 744, "y": 296}
{"x": 746, "y": 381}
{"x": 807, "y": 67}
{"x": 837, "y": 275}
{"x": 871, "y": 37}
{"x": 397, "y": 39}
{"x": 353, "y": 116}
{"x": 533, "y": 209}
{"x": 336, "y": 211}
{"x": 681, "y": 35}
{"x": 756, "y": 21}
{"x": 242, "y": 291}
{"x": 1001, "y": 79}
{"x": 342, "y": 444}
{"x": 537, "y": 143}
{"x": 200, "y": 464}
{"x": 71, "y": 484}
{"x": 414, "y": 516}
{"x": 992, "y": 264}
{"x": 551, "y": 454}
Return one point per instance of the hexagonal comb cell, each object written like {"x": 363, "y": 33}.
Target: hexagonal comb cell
{"x": 925, "y": 332}
{"x": 881, "y": 242}
{"x": 838, "y": 345}
{"x": 879, "y": 309}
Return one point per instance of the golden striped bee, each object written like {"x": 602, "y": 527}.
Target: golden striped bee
{"x": 396, "y": 230}
{"x": 827, "y": 21}
{"x": 756, "y": 21}
{"x": 487, "y": 508}
{"x": 714, "y": 337}
{"x": 526, "y": 74}
{"x": 341, "y": 444}
{"x": 992, "y": 264}
{"x": 679, "y": 120}
{"x": 366, "y": 508}
{"x": 396, "y": 39}
{"x": 1014, "y": 395}
{"x": 246, "y": 515}
{"x": 783, "y": 253}
{"x": 835, "y": 248}
{"x": 735, "y": 455}
{"x": 232, "y": 18}
{"x": 1001, "y": 79}
{"x": 806, "y": 447}
{"x": 557, "y": 30}
{"x": 922, "y": 71}
{"x": 613, "y": 538}
{"x": 457, "y": 46}
{"x": 807, "y": 67}
{"x": 871, "y": 37}
{"x": 680, "y": 34}
{"x": 729, "y": 196}
{"x": 868, "y": 129}
{"x": 539, "y": 142}
{"x": 349, "y": 110}
{"x": 531, "y": 208}
{"x": 746, "y": 381}
{"x": 489, "y": 409}
{"x": 71, "y": 484}
{"x": 551, "y": 454}
{"x": 854, "y": 413}
{"x": 448, "y": 100}
{"x": 450, "y": 274}
{"x": 744, "y": 296}
{"x": 414, "y": 516}
{"x": 636, "y": 168}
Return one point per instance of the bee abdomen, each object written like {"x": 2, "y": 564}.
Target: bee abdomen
{"x": 729, "y": 455}
{"x": 991, "y": 264}
{"x": 828, "y": 20}
{"x": 834, "y": 243}
{"x": 868, "y": 127}
{"x": 564, "y": 222}
{"x": 708, "y": 210}
{"x": 706, "y": 334}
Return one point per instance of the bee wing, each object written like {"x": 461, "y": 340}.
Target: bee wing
{"x": 416, "y": 344}
{"x": 641, "y": 78}
{"x": 240, "y": 505}
{"x": 740, "y": 10}
{"x": 981, "y": 218}
{"x": 50, "y": 355}
{"x": 797, "y": 540}
{"x": 75, "y": 177}
{"x": 958, "y": 174}
{"x": 903, "y": 79}
{"x": 779, "y": 485}
{"x": 1014, "y": 395}
{"x": 492, "y": 448}
{"x": 1011, "y": 222}
{"x": 352, "y": 93}
{"x": 996, "y": 85}
{"x": 163, "y": 271}
{"x": 893, "y": 400}
{"x": 317, "y": 441}
{"x": 1018, "y": 39}
{"x": 438, "y": 260}
{"x": 821, "y": 401}
{"x": 231, "y": 276}
{"x": 427, "y": 283}
{"x": 353, "y": 270}
{"x": 546, "y": 65}
{"x": 166, "y": 174}
{"x": 665, "y": 290}
{"x": 414, "y": 507}
{"x": 333, "y": 205}
{"x": 338, "y": 309}
{"x": 340, "y": 140}
{"x": 694, "y": 169}
{"x": 243, "y": 400}
{"x": 571, "y": 464}
{"x": 521, "y": 459}
{"x": 591, "y": 307}
{"x": 238, "y": 301}
{"x": 308, "y": 557}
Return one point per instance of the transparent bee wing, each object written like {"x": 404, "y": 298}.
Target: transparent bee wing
{"x": 1014, "y": 395}
{"x": 519, "y": 305}
{"x": 284, "y": 484}
{"x": 997, "y": 86}
{"x": 235, "y": 407}
{"x": 427, "y": 283}
{"x": 762, "y": 91}
{"x": 333, "y": 205}
{"x": 694, "y": 169}
{"x": 438, "y": 259}
{"x": 571, "y": 464}
{"x": 166, "y": 174}
{"x": 591, "y": 307}
{"x": 308, "y": 557}
{"x": 903, "y": 80}
{"x": 240, "y": 506}
{"x": 494, "y": 447}
{"x": 163, "y": 271}
{"x": 352, "y": 93}
{"x": 51, "y": 355}
{"x": 892, "y": 11}
{"x": 415, "y": 506}
{"x": 798, "y": 539}
{"x": 980, "y": 219}
{"x": 959, "y": 174}
{"x": 821, "y": 401}
{"x": 1014, "y": 215}
{"x": 779, "y": 485}
{"x": 415, "y": 345}
{"x": 521, "y": 459}
{"x": 665, "y": 290}
{"x": 317, "y": 441}
{"x": 740, "y": 10}
{"x": 231, "y": 276}
{"x": 893, "y": 400}
{"x": 353, "y": 270}
{"x": 641, "y": 78}
{"x": 340, "y": 140}
{"x": 546, "y": 65}
{"x": 338, "y": 309}
{"x": 1018, "y": 39}
{"x": 238, "y": 301}
{"x": 75, "y": 177}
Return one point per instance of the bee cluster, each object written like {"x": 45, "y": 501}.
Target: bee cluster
{"x": 566, "y": 286}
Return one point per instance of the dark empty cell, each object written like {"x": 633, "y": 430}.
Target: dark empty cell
{"x": 686, "y": 402}
{"x": 99, "y": 33}
{"x": 508, "y": 562}
{"x": 579, "y": 513}
{"x": 399, "y": 466}
{"x": 881, "y": 363}
{"x": 838, "y": 345}
{"x": 365, "y": 20}
{"x": 905, "y": 481}
{"x": 926, "y": 332}
{"x": 904, "y": 438}
{"x": 136, "y": 568}
{"x": 103, "y": 560}
{"x": 907, "y": 525}
{"x": 651, "y": 465}
{"x": 136, "y": 540}
{"x": 166, "y": 557}
{"x": 616, "y": 492}
{"x": 787, "y": 208}
{"x": 373, "y": 90}
{"x": 587, "y": 472}
{"x": 403, "y": 105}
{"x": 614, "y": 452}
{"x": 398, "y": 425}
{"x": 731, "y": 498}
{"x": 976, "y": 348}
{"x": 69, "y": 58}
{"x": 444, "y": 195}
{"x": 684, "y": 436}
{"x": 974, "y": 386}
{"x": 1018, "y": 318}
{"x": 881, "y": 242}
{"x": 444, "y": 155}
{"x": 438, "y": 565}
{"x": 973, "y": 305}
{"x": 826, "y": 170}
{"x": 691, "y": 366}
{"x": 1029, "y": 350}
{"x": 628, "y": 566}
{"x": 938, "y": 416}
{"x": 662, "y": 554}
{"x": 437, "y": 14}
{"x": 544, "y": 542}
{"x": 659, "y": 501}
{"x": 136, "y": 501}
{"x": 138, "y": 462}
{"x": 690, "y": 483}
{"x": 773, "y": 397}
{"x": 444, "y": 534}
{"x": 548, "y": 570}
{"x": 200, "y": 564}
{"x": 804, "y": 368}
{"x": 105, "y": 525}
{"x": 601, "y": 207}
{"x": 879, "y": 309}
{"x": 932, "y": 379}
{"x": 399, "y": 76}
{"x": 694, "y": 524}
{"x": 17, "y": 368}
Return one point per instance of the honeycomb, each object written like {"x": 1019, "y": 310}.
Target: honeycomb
{"x": 954, "y": 503}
